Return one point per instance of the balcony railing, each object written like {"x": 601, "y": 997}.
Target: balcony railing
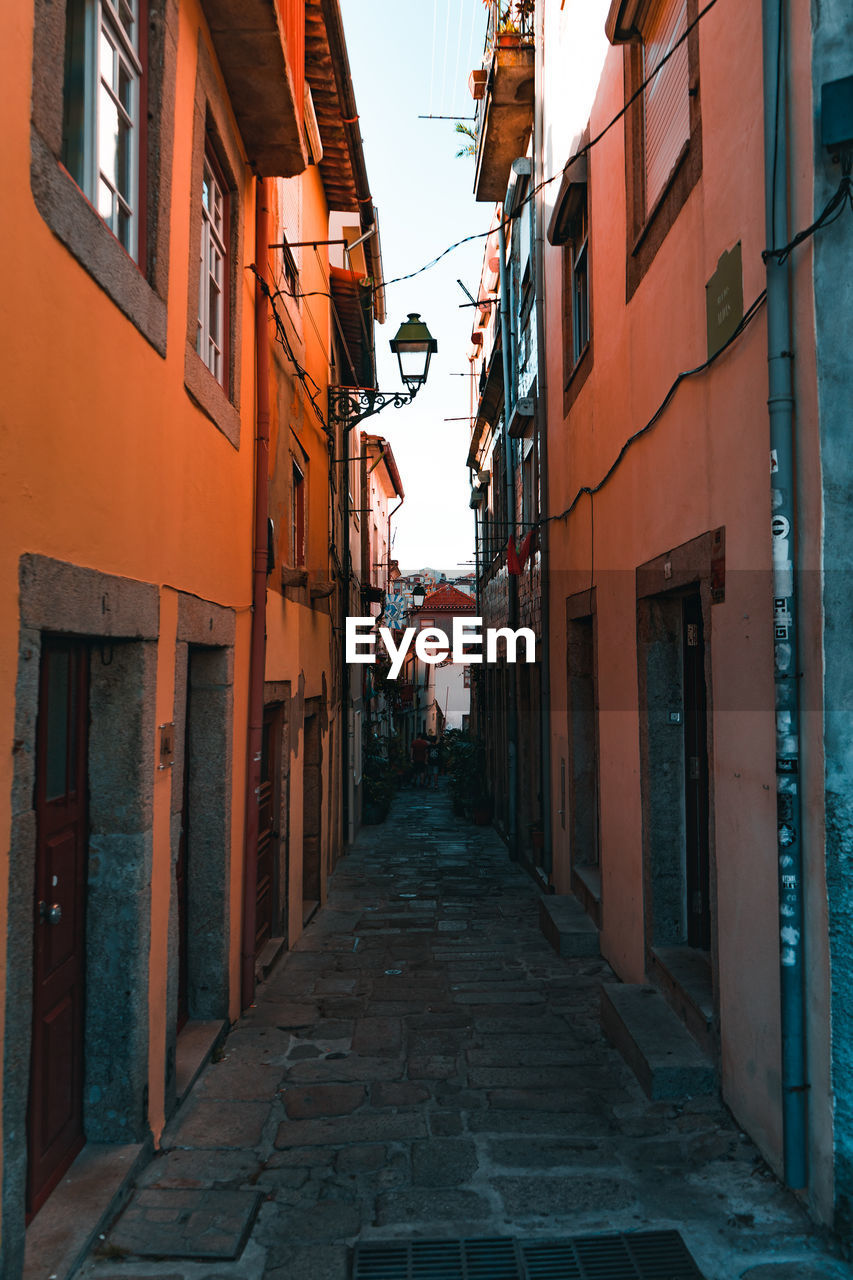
{"x": 504, "y": 94}
{"x": 509, "y": 21}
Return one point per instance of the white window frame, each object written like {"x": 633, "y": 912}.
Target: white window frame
{"x": 104, "y": 25}
{"x": 213, "y": 252}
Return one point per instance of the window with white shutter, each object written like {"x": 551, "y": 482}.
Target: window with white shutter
{"x": 666, "y": 100}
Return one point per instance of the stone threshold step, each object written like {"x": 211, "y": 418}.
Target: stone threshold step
{"x": 567, "y": 927}
{"x": 665, "y": 1058}
{"x": 83, "y": 1204}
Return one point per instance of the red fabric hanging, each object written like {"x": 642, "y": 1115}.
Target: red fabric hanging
{"x": 516, "y": 560}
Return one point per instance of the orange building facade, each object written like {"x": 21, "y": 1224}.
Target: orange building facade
{"x": 158, "y": 400}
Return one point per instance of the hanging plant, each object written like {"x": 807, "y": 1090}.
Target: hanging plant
{"x": 470, "y": 147}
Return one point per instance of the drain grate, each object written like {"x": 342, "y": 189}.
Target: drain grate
{"x": 641, "y": 1255}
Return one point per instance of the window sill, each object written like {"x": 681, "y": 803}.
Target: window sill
{"x": 74, "y": 221}
{"x": 206, "y": 392}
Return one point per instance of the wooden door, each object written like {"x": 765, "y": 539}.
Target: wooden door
{"x": 182, "y": 878}
{"x": 696, "y": 778}
{"x": 312, "y": 810}
{"x": 55, "y": 1111}
{"x": 267, "y": 837}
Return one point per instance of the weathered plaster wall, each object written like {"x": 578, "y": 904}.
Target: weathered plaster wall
{"x": 832, "y": 57}
{"x": 703, "y": 466}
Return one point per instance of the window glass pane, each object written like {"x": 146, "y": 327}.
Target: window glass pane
{"x": 105, "y": 55}
{"x": 125, "y": 13}
{"x": 125, "y": 87}
{"x": 108, "y": 136}
{"x": 74, "y": 92}
{"x": 105, "y": 202}
{"x": 123, "y": 150}
{"x": 56, "y": 729}
{"x": 214, "y": 312}
{"x": 124, "y": 227}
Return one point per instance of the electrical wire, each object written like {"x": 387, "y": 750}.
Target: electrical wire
{"x": 842, "y": 198}
{"x": 284, "y": 342}
{"x": 578, "y": 155}
{"x": 591, "y": 490}
{"x": 432, "y": 72}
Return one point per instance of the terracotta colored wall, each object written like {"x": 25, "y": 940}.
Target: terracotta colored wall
{"x": 704, "y": 465}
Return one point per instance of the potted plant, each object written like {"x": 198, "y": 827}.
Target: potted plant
{"x": 466, "y": 766}
{"x": 377, "y": 784}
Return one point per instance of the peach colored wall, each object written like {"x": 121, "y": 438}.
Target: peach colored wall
{"x": 705, "y": 464}
{"x": 299, "y": 636}
{"x": 107, "y": 463}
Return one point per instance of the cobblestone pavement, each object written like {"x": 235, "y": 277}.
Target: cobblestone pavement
{"x": 423, "y": 1064}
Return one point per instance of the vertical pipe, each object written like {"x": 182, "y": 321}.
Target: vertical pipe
{"x": 512, "y": 689}
{"x": 348, "y": 736}
{"x": 786, "y": 648}
{"x": 257, "y": 658}
{"x": 542, "y": 434}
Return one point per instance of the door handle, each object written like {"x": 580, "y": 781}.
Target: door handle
{"x": 50, "y": 914}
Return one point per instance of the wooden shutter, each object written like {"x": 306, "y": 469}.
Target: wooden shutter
{"x": 666, "y": 104}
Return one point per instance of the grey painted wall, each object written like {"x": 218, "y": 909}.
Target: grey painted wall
{"x": 832, "y": 57}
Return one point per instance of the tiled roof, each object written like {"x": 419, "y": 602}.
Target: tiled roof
{"x": 447, "y": 599}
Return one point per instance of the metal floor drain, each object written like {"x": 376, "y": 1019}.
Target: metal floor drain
{"x": 641, "y": 1255}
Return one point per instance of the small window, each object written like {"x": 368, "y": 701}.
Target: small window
{"x": 666, "y": 100}
{"x": 578, "y": 250}
{"x": 290, "y": 270}
{"x": 297, "y": 517}
{"x": 214, "y": 272}
{"x": 528, "y": 489}
{"x": 102, "y": 117}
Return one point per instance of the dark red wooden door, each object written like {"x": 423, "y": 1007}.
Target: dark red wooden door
{"x": 55, "y": 1113}
{"x": 266, "y": 831}
{"x": 182, "y": 882}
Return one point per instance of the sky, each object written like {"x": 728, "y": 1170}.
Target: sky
{"x": 411, "y": 58}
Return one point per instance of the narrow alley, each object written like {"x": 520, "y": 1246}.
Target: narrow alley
{"x": 423, "y": 1066}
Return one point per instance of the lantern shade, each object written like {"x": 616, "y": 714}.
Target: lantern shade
{"x": 418, "y": 596}
{"x": 413, "y": 345}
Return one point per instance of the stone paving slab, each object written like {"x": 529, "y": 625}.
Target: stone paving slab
{"x": 472, "y": 1091}
{"x": 186, "y": 1224}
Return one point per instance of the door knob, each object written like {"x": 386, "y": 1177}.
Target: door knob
{"x": 50, "y": 914}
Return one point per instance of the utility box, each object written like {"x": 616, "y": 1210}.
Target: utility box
{"x": 836, "y": 114}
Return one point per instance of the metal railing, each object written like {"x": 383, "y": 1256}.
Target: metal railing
{"x": 509, "y": 22}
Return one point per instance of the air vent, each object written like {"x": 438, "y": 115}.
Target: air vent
{"x": 642, "y": 1255}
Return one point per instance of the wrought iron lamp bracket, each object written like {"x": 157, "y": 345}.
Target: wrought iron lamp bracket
{"x": 351, "y": 405}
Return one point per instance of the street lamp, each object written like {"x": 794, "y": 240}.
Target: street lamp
{"x": 414, "y": 346}
{"x": 418, "y": 596}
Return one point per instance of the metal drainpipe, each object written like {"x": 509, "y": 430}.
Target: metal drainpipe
{"x": 257, "y": 658}
{"x": 786, "y": 649}
{"x": 542, "y": 432}
{"x": 512, "y": 594}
